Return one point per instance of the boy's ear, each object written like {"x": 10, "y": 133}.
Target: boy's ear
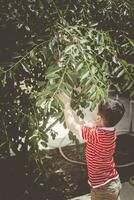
{"x": 99, "y": 118}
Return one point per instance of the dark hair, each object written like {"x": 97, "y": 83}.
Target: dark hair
{"x": 111, "y": 111}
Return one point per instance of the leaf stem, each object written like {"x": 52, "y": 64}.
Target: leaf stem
{"x": 23, "y": 57}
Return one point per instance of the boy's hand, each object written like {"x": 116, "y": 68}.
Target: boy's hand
{"x": 78, "y": 89}
{"x": 64, "y": 98}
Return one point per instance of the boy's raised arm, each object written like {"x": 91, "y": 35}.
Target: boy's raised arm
{"x": 71, "y": 119}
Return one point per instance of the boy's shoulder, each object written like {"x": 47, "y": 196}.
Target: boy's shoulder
{"x": 107, "y": 129}
{"x": 93, "y": 125}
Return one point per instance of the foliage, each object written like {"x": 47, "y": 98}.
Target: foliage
{"x": 30, "y": 20}
{"x": 79, "y": 56}
{"x": 56, "y": 46}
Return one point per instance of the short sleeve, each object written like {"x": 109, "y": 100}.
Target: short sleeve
{"x": 89, "y": 133}
{"x": 85, "y": 131}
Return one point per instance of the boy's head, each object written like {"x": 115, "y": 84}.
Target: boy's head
{"x": 108, "y": 113}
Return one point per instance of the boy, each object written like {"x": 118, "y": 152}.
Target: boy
{"x": 102, "y": 175}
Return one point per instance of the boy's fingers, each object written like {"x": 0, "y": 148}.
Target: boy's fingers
{"x": 78, "y": 89}
{"x": 64, "y": 98}
{"x": 58, "y": 95}
{"x": 62, "y": 109}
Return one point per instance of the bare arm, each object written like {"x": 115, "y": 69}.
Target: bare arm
{"x": 71, "y": 119}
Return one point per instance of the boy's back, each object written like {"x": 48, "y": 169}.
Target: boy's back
{"x": 99, "y": 154}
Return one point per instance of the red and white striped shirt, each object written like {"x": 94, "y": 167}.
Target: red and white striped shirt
{"x": 99, "y": 154}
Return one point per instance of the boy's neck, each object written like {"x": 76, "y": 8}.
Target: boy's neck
{"x": 106, "y": 128}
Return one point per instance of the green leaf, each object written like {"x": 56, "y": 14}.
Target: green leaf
{"x": 68, "y": 86}
{"x": 132, "y": 93}
{"x": 52, "y": 76}
{"x": 131, "y": 41}
{"x": 85, "y": 76}
{"x": 27, "y": 28}
{"x": 26, "y": 68}
{"x": 121, "y": 73}
{"x": 117, "y": 69}
{"x": 4, "y": 80}
{"x": 33, "y": 57}
{"x": 115, "y": 59}
{"x": 131, "y": 85}
{"x": 126, "y": 77}
{"x": 83, "y": 41}
{"x": 89, "y": 48}
{"x": 2, "y": 144}
{"x": 70, "y": 79}
{"x": 79, "y": 66}
{"x": 41, "y": 102}
{"x": 68, "y": 48}
{"x": 53, "y": 70}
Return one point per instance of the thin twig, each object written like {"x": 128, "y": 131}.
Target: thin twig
{"x": 24, "y": 57}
